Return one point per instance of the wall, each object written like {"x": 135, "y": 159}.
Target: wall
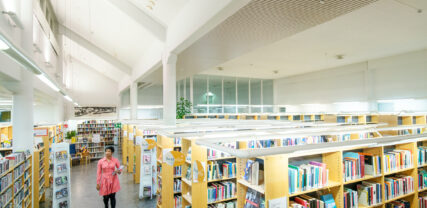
{"x": 152, "y": 95}
{"x": 357, "y": 85}
{"x": 90, "y": 88}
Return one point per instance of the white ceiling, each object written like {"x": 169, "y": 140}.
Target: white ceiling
{"x": 383, "y": 28}
{"x": 163, "y": 10}
{"x": 77, "y": 53}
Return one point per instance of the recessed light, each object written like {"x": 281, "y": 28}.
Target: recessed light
{"x": 220, "y": 68}
{"x": 275, "y": 71}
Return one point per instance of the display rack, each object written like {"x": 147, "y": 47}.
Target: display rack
{"x": 5, "y": 137}
{"x": 107, "y": 130}
{"x": 61, "y": 176}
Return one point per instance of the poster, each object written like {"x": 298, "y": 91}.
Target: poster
{"x": 94, "y": 112}
{"x": 96, "y": 138}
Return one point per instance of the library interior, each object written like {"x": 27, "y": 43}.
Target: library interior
{"x": 213, "y": 103}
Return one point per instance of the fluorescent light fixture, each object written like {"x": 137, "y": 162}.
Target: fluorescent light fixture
{"x": 18, "y": 55}
{"x": 68, "y": 98}
{"x": 76, "y": 104}
{"x": 49, "y": 83}
{"x": 3, "y": 45}
{"x": 346, "y": 103}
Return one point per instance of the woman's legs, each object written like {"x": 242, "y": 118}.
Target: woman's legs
{"x": 113, "y": 200}
{"x": 106, "y": 197}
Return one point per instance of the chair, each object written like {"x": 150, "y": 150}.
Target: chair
{"x": 84, "y": 158}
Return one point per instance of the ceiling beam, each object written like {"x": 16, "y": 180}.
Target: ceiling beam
{"x": 95, "y": 49}
{"x": 154, "y": 26}
{"x": 82, "y": 63}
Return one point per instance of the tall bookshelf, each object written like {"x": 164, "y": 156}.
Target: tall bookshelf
{"x": 41, "y": 172}
{"x": 165, "y": 175}
{"x": 106, "y": 129}
{"x": 17, "y": 180}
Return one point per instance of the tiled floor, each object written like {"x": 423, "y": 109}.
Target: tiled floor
{"x": 85, "y": 195}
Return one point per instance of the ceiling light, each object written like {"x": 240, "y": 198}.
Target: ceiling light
{"x": 76, "y": 104}
{"x": 340, "y": 56}
{"x": 3, "y": 45}
{"x": 49, "y": 83}
{"x": 275, "y": 72}
{"x": 220, "y": 68}
{"x": 68, "y": 98}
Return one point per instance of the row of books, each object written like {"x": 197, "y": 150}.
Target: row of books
{"x": 399, "y": 204}
{"x": 177, "y": 185}
{"x": 306, "y": 201}
{"x": 177, "y": 201}
{"x": 19, "y": 197}
{"x": 99, "y": 122}
{"x": 177, "y": 141}
{"x": 221, "y": 191}
{"x": 188, "y": 173}
{"x": 304, "y": 140}
{"x": 177, "y": 171}
{"x": 5, "y": 181}
{"x": 351, "y": 199}
{"x": 17, "y": 172}
{"x": 254, "y": 172}
{"x": 397, "y": 159}
{"x": 221, "y": 170}
{"x": 6, "y": 197}
{"x": 397, "y": 186}
{"x": 4, "y": 166}
{"x": 215, "y": 154}
{"x": 15, "y": 158}
{"x": 307, "y": 176}
{"x": 422, "y": 159}
{"x": 231, "y": 204}
{"x": 149, "y": 132}
{"x": 422, "y": 200}
{"x": 18, "y": 185}
{"x": 357, "y": 165}
{"x": 256, "y": 144}
{"x": 369, "y": 193}
{"x": 422, "y": 179}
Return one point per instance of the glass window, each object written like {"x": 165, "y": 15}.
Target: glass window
{"x": 215, "y": 90}
{"x": 199, "y": 93}
{"x": 267, "y": 92}
{"x": 243, "y": 91}
{"x": 230, "y": 91}
{"x": 256, "y": 92}
{"x": 187, "y": 89}
{"x": 229, "y": 109}
{"x": 125, "y": 98}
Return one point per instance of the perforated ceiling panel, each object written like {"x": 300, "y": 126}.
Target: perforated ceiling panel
{"x": 258, "y": 23}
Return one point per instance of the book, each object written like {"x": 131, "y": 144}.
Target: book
{"x": 252, "y": 199}
{"x": 397, "y": 186}
{"x": 307, "y": 176}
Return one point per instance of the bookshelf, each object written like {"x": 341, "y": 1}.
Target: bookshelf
{"x": 95, "y": 149}
{"x": 41, "y": 172}
{"x": 352, "y": 118}
{"x": 130, "y": 148}
{"x": 107, "y": 130}
{"x": 6, "y": 136}
{"x": 165, "y": 174}
{"x": 124, "y": 143}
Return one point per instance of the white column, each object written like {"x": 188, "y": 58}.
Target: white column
{"x": 370, "y": 89}
{"x": 22, "y": 113}
{"x": 169, "y": 88}
{"x": 59, "y": 110}
{"x": 133, "y": 100}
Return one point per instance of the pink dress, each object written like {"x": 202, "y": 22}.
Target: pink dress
{"x": 108, "y": 182}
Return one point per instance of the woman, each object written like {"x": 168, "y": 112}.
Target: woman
{"x": 107, "y": 180}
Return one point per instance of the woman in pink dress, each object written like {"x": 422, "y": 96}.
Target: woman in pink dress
{"x": 107, "y": 180}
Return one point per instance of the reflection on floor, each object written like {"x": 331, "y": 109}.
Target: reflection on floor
{"x": 84, "y": 193}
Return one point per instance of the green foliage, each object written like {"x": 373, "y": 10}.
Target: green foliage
{"x": 70, "y": 134}
{"x": 183, "y": 107}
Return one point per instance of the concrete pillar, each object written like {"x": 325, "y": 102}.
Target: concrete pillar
{"x": 169, "y": 88}
{"x": 22, "y": 113}
{"x": 370, "y": 89}
{"x": 133, "y": 100}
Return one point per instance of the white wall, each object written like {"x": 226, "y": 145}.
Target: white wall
{"x": 90, "y": 88}
{"x": 152, "y": 95}
{"x": 395, "y": 77}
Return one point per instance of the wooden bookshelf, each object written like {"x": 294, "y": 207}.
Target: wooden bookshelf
{"x": 166, "y": 175}
{"x": 124, "y": 143}
{"x": 41, "y": 172}
{"x": 106, "y": 129}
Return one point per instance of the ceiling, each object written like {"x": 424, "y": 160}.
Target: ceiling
{"x": 383, "y": 28}
{"x": 112, "y": 30}
{"x": 163, "y": 10}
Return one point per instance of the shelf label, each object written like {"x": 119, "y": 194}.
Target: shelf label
{"x": 40, "y": 132}
{"x": 139, "y": 141}
{"x": 198, "y": 171}
{"x": 174, "y": 158}
{"x": 151, "y": 143}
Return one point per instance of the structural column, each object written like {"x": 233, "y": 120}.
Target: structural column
{"x": 133, "y": 100}
{"x": 169, "y": 88}
{"x": 23, "y": 112}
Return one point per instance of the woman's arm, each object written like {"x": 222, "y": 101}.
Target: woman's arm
{"x": 118, "y": 166}
{"x": 98, "y": 173}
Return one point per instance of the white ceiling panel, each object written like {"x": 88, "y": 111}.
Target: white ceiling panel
{"x": 383, "y": 28}
{"x": 164, "y": 10}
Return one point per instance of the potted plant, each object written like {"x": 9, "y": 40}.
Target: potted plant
{"x": 183, "y": 107}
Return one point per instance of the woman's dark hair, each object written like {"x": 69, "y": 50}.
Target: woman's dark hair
{"x": 110, "y": 148}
